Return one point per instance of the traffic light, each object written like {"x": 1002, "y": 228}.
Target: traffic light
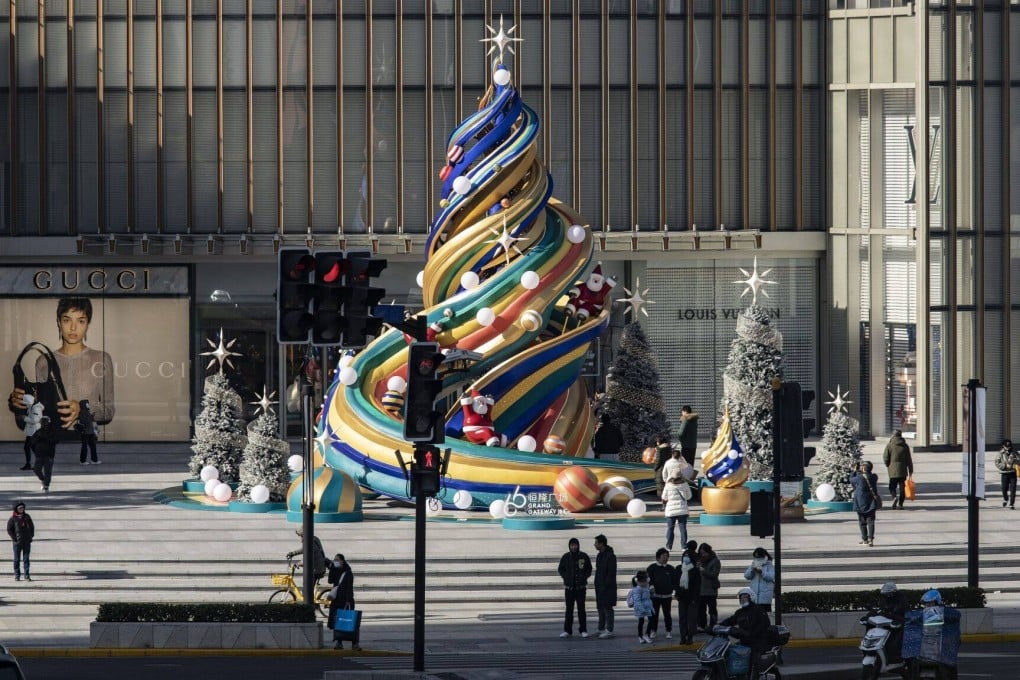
{"x": 789, "y": 430}
{"x": 422, "y": 422}
{"x": 362, "y": 297}
{"x": 295, "y": 296}
{"x": 426, "y": 472}
{"x": 330, "y": 295}
{"x": 763, "y": 519}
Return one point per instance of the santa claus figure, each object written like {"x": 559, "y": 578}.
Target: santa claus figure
{"x": 478, "y": 428}
{"x": 589, "y": 298}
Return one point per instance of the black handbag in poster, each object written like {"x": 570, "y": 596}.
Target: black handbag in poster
{"x": 47, "y": 392}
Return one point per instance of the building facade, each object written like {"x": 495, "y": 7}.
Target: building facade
{"x": 694, "y": 136}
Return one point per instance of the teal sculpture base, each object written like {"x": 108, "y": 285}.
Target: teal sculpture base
{"x": 538, "y": 523}
{"x": 241, "y": 506}
{"x": 193, "y": 485}
{"x": 708, "y": 519}
{"x": 831, "y": 506}
{"x": 327, "y": 517}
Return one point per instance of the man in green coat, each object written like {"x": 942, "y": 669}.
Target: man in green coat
{"x": 899, "y": 465}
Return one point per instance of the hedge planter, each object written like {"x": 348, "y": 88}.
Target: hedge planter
{"x": 183, "y": 635}
{"x": 841, "y": 625}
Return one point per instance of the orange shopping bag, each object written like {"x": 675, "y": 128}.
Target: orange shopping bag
{"x": 909, "y": 490}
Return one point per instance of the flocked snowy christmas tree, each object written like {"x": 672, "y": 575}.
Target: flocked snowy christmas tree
{"x": 841, "y": 449}
{"x": 756, "y": 358}
{"x": 264, "y": 460}
{"x": 219, "y": 430}
{"x": 633, "y": 399}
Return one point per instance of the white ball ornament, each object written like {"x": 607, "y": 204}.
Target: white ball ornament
{"x": 420, "y": 279}
{"x": 345, "y": 361}
{"x": 636, "y": 508}
{"x": 485, "y": 316}
{"x": 469, "y": 280}
{"x": 501, "y": 77}
{"x": 462, "y": 185}
{"x": 210, "y": 486}
{"x": 497, "y": 509}
{"x": 209, "y": 472}
{"x": 825, "y": 493}
{"x": 526, "y": 443}
{"x": 732, "y": 455}
{"x": 433, "y": 507}
{"x": 222, "y": 493}
{"x": 462, "y": 499}
{"x": 531, "y": 320}
{"x": 396, "y": 383}
{"x": 260, "y": 493}
{"x": 576, "y": 233}
{"x": 530, "y": 280}
{"x": 348, "y": 376}
{"x": 296, "y": 463}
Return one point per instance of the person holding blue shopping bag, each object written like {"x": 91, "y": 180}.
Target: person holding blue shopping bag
{"x": 344, "y": 619}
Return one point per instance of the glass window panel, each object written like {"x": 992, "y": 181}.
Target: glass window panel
{"x": 115, "y": 53}
{"x": 415, "y": 174}
{"x": 936, "y": 46}
{"x": 354, "y": 181}
{"x": 442, "y": 51}
{"x": 384, "y": 62}
{"x": 966, "y": 270}
{"x": 264, "y": 161}
{"x": 145, "y": 160}
{"x": 324, "y": 52}
{"x": 384, "y": 162}
{"x": 589, "y": 199}
{"x": 965, "y": 46}
{"x": 560, "y": 52}
{"x": 992, "y": 179}
{"x": 56, "y": 55}
{"x": 561, "y": 140}
{"x": 784, "y": 161}
{"x": 204, "y": 177}
{"x": 758, "y": 163}
{"x": 703, "y": 46}
{"x": 28, "y": 54}
{"x": 811, "y": 45}
{"x": 704, "y": 161}
{"x": 474, "y": 67}
{"x": 899, "y": 140}
{"x": 991, "y": 41}
{"x": 647, "y": 180}
{"x": 758, "y": 58}
{"x": 619, "y": 55}
{"x": 145, "y": 53}
{"x": 263, "y": 34}
{"x": 1014, "y": 54}
{"x": 57, "y": 175}
{"x": 295, "y": 179}
{"x": 647, "y": 51}
{"x": 174, "y": 52}
{"x": 86, "y": 177}
{"x": 5, "y": 49}
{"x": 732, "y": 51}
{"x": 784, "y": 52}
{"x": 1014, "y": 157}
{"x": 676, "y": 51}
{"x": 203, "y": 52}
{"x": 966, "y": 137}
{"x": 676, "y": 159}
{"x": 235, "y": 200}
{"x": 324, "y": 157}
{"x": 938, "y": 262}
{"x": 295, "y": 61}
{"x": 732, "y": 205}
{"x": 415, "y": 52}
{"x": 618, "y": 165}
{"x": 590, "y": 49}
{"x": 175, "y": 170}
{"x": 812, "y": 175}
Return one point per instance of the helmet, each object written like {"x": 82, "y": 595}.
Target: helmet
{"x": 888, "y": 589}
{"x": 746, "y": 591}
{"x": 932, "y": 597}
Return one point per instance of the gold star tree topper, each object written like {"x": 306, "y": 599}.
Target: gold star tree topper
{"x": 501, "y": 40}
{"x": 755, "y": 282}
{"x": 220, "y": 353}
{"x": 637, "y": 300}
{"x": 838, "y": 401}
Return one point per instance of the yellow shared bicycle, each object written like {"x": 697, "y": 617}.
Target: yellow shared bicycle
{"x": 291, "y": 592}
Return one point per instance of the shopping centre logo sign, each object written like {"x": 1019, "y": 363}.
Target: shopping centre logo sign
{"x": 933, "y": 169}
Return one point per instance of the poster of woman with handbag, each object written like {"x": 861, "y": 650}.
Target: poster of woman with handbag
{"x": 84, "y": 380}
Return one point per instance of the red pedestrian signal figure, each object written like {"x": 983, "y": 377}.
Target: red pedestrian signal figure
{"x": 429, "y": 462}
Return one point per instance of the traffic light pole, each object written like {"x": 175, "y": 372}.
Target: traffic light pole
{"x": 419, "y": 571}
{"x": 307, "y": 497}
{"x": 777, "y": 470}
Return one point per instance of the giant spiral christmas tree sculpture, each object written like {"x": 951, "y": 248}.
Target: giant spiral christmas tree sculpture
{"x": 502, "y": 256}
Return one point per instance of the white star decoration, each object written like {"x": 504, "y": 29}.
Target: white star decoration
{"x": 322, "y": 441}
{"x": 220, "y": 353}
{"x": 506, "y": 241}
{"x": 637, "y": 300}
{"x": 501, "y": 40}
{"x": 264, "y": 401}
{"x": 839, "y": 400}
{"x": 755, "y": 282}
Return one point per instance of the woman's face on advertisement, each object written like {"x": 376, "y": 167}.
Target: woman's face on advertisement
{"x": 73, "y": 326}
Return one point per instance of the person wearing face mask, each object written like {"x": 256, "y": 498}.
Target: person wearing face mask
{"x": 762, "y": 576}
{"x": 342, "y": 579}
{"x": 750, "y": 625}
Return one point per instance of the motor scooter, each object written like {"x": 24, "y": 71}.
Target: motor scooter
{"x": 931, "y": 643}
{"x": 724, "y": 658}
{"x": 878, "y": 657}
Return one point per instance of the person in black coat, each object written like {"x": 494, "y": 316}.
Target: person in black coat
{"x": 750, "y": 626}
{"x": 342, "y": 579}
{"x": 575, "y": 570}
{"x": 605, "y": 585}
{"x": 608, "y": 439}
{"x": 688, "y": 592}
{"x": 865, "y": 503}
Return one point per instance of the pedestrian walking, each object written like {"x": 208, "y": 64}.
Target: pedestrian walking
{"x": 21, "y": 529}
{"x": 605, "y": 586}
{"x": 1006, "y": 462}
{"x": 677, "y": 467}
{"x": 662, "y": 578}
{"x": 341, "y": 577}
{"x": 607, "y": 440}
{"x": 688, "y": 434}
{"x": 899, "y": 465}
{"x": 762, "y": 576}
{"x": 687, "y": 593}
{"x": 89, "y": 431}
{"x": 663, "y": 452}
{"x": 865, "y": 500}
{"x": 320, "y": 563}
{"x": 45, "y": 449}
{"x": 640, "y": 598}
{"x": 28, "y": 454}
{"x": 711, "y": 567}
{"x": 674, "y": 499}
{"x": 575, "y": 570}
